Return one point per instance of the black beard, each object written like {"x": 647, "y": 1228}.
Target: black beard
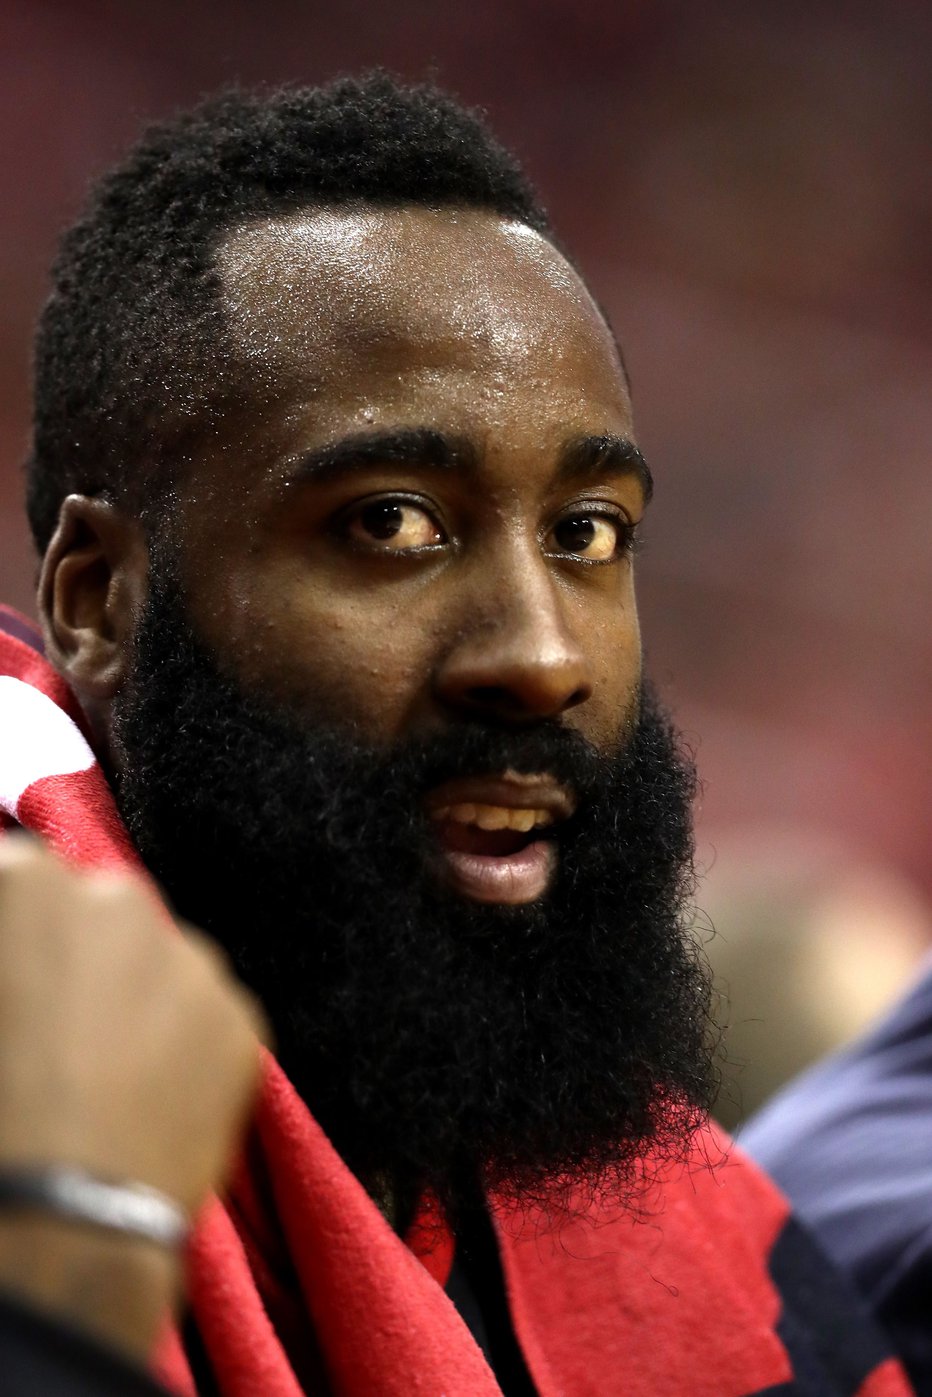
{"x": 444, "y": 1045}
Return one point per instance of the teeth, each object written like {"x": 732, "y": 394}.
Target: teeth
{"x": 495, "y": 816}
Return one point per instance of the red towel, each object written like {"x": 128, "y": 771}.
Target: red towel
{"x": 299, "y": 1285}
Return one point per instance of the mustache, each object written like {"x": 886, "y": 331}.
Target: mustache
{"x": 476, "y": 748}
{"x": 346, "y": 779}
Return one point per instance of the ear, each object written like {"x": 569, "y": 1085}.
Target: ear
{"x": 92, "y": 584}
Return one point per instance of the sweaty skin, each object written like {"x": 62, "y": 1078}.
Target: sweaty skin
{"x": 354, "y": 323}
{"x": 408, "y": 520}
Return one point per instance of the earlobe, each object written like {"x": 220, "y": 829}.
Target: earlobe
{"x": 91, "y": 586}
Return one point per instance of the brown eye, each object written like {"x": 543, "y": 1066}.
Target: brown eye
{"x": 394, "y": 525}
{"x": 596, "y": 537}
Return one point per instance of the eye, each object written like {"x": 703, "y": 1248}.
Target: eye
{"x": 393, "y": 525}
{"x": 598, "y": 538}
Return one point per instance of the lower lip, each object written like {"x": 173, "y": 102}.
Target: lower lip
{"x": 510, "y": 880}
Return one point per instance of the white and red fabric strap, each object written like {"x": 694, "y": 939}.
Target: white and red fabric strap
{"x": 37, "y": 740}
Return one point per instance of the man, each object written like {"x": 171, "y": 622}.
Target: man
{"x": 337, "y": 491}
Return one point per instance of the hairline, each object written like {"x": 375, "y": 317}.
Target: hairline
{"x": 227, "y": 233}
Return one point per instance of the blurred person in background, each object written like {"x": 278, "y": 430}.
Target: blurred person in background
{"x": 849, "y": 1140}
{"x": 336, "y": 489}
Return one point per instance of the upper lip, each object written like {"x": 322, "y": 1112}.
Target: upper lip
{"x": 510, "y": 790}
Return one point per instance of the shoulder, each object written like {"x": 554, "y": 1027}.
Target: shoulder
{"x": 848, "y": 1142}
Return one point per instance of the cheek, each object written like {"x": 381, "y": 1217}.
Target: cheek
{"x": 351, "y": 663}
{"x": 617, "y": 667}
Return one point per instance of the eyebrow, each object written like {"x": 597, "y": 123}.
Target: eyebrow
{"x": 425, "y": 447}
{"x": 606, "y": 455}
{"x": 413, "y": 446}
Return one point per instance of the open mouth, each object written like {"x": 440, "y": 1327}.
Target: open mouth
{"x": 498, "y": 846}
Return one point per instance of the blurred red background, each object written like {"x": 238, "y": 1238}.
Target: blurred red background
{"x": 749, "y": 189}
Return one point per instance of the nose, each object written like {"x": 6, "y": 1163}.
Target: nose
{"x": 517, "y": 657}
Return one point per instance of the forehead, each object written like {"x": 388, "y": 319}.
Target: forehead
{"x": 344, "y": 304}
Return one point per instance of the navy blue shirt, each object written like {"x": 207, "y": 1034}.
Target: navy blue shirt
{"x": 41, "y": 1356}
{"x": 850, "y": 1142}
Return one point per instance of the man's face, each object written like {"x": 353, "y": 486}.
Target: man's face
{"x": 384, "y": 733}
{"x": 425, "y": 511}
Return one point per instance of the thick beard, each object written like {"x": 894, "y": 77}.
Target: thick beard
{"x": 445, "y": 1046}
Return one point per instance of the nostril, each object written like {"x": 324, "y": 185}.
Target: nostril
{"x": 520, "y": 701}
{"x": 577, "y": 697}
{"x": 493, "y": 696}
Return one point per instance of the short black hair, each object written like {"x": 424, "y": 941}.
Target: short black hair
{"x": 126, "y": 360}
